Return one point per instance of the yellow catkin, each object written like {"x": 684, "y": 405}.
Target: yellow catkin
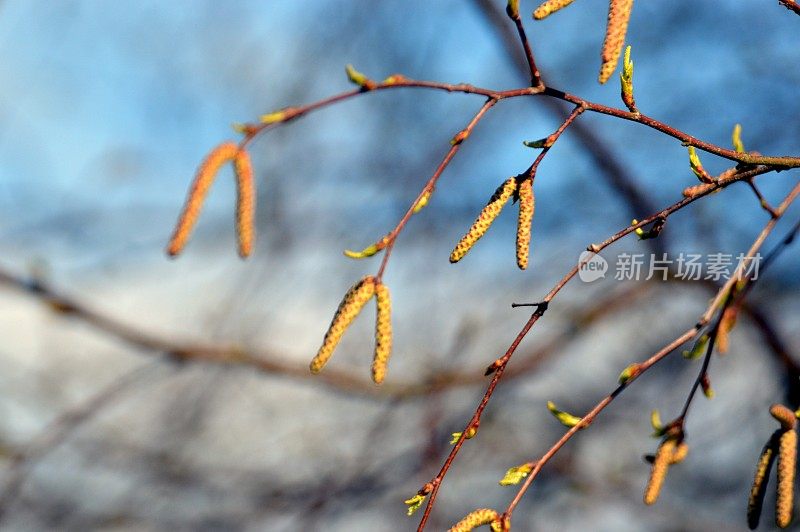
{"x": 527, "y": 203}
{"x": 759, "y": 486}
{"x": 203, "y": 180}
{"x": 484, "y": 219}
{"x": 787, "y": 462}
{"x": 680, "y": 453}
{"x": 549, "y": 7}
{"x": 245, "y": 202}
{"x": 383, "y": 332}
{"x": 664, "y": 455}
{"x": 619, "y": 12}
{"x": 474, "y": 519}
{"x": 354, "y": 300}
{"x": 784, "y": 415}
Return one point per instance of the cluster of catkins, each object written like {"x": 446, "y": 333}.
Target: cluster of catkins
{"x": 783, "y": 445}
{"x": 355, "y": 299}
{"x": 245, "y": 200}
{"x": 519, "y": 187}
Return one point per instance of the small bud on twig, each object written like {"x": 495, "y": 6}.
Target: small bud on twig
{"x": 369, "y": 250}
{"x": 628, "y": 373}
{"x": 626, "y": 82}
{"x": 459, "y": 137}
{"x": 513, "y": 8}
{"x": 422, "y": 203}
{"x": 565, "y": 418}
{"x": 358, "y": 78}
{"x": 698, "y": 349}
{"x": 697, "y": 167}
{"x": 364, "y": 253}
{"x": 394, "y": 79}
{"x": 541, "y": 143}
{"x": 275, "y": 117}
{"x": 471, "y": 432}
{"x": 655, "y": 422}
{"x": 736, "y": 138}
{"x": 515, "y": 474}
{"x": 414, "y": 503}
{"x": 705, "y": 384}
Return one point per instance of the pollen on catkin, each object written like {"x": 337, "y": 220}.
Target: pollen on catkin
{"x": 383, "y": 332}
{"x": 658, "y": 472}
{"x": 203, "y": 180}
{"x": 549, "y": 7}
{"x": 759, "y": 487}
{"x": 619, "y": 13}
{"x": 527, "y": 203}
{"x": 787, "y": 462}
{"x": 245, "y": 202}
{"x": 354, "y": 300}
{"x": 476, "y": 518}
{"x": 484, "y": 219}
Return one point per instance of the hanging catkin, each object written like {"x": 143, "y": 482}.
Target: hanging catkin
{"x": 245, "y": 202}
{"x": 383, "y": 332}
{"x": 203, "y": 180}
{"x": 619, "y": 12}
{"x": 527, "y": 203}
{"x": 484, "y": 219}
{"x": 354, "y": 300}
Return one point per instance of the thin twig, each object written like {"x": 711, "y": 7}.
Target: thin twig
{"x": 431, "y": 184}
{"x": 499, "y": 365}
{"x": 536, "y": 79}
{"x": 791, "y": 5}
{"x": 761, "y": 199}
{"x": 644, "y": 366}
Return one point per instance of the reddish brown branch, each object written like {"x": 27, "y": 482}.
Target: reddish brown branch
{"x": 391, "y": 238}
{"x": 594, "y": 412}
{"x": 292, "y": 113}
{"x": 499, "y": 365}
{"x": 536, "y": 79}
{"x": 791, "y": 5}
{"x": 685, "y": 138}
{"x": 644, "y": 366}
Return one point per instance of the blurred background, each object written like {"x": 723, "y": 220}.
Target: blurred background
{"x": 106, "y": 422}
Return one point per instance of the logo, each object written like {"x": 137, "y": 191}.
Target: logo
{"x": 591, "y": 267}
